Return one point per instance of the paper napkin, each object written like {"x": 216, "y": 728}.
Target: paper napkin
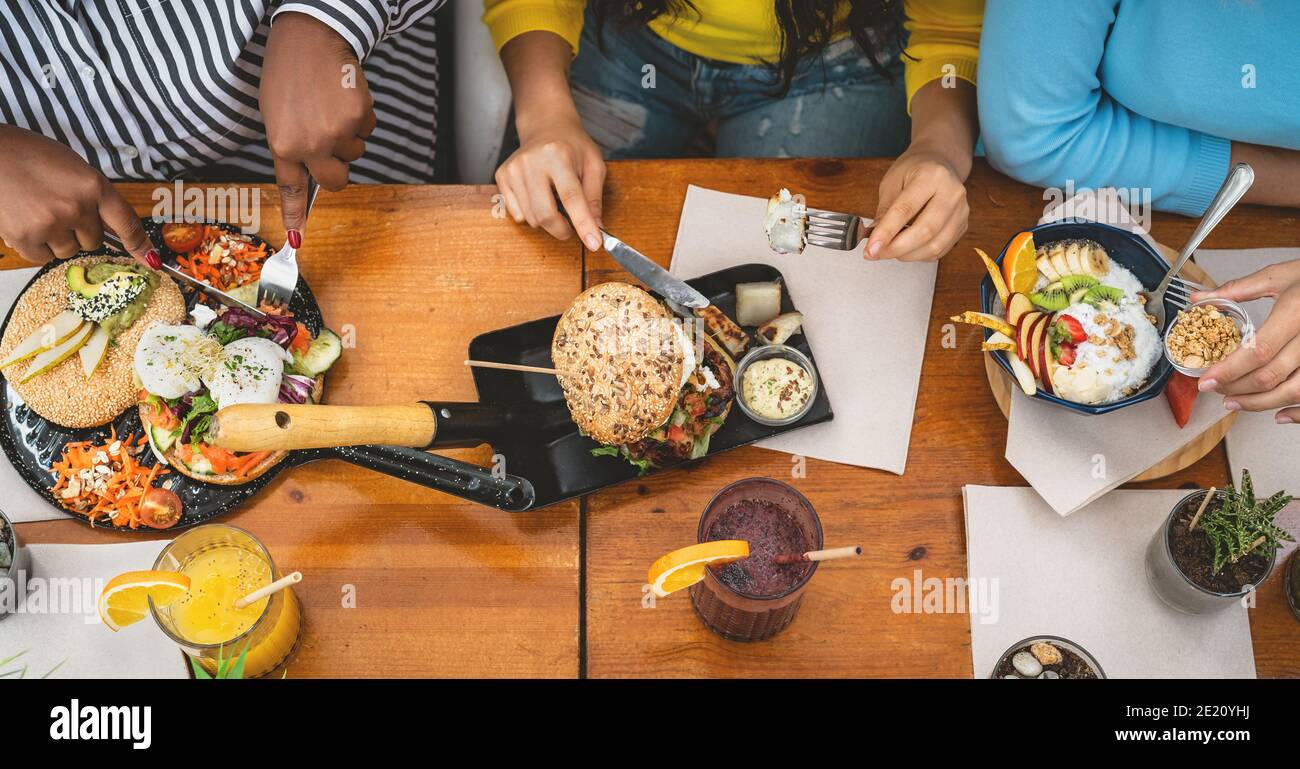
{"x": 1084, "y": 578}
{"x": 57, "y": 629}
{"x": 1072, "y": 459}
{"x": 17, "y": 499}
{"x": 867, "y": 322}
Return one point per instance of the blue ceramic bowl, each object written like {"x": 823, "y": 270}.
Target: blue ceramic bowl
{"x": 1127, "y": 249}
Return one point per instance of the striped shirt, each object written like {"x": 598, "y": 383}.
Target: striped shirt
{"x": 162, "y": 89}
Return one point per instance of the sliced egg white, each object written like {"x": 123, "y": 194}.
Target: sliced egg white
{"x": 249, "y": 372}
{"x": 173, "y": 360}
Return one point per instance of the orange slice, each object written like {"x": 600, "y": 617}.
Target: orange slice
{"x": 683, "y": 568}
{"x": 1020, "y": 266}
{"x": 125, "y": 599}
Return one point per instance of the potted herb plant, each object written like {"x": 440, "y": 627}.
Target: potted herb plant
{"x": 1215, "y": 547}
{"x": 1293, "y": 583}
{"x": 15, "y": 568}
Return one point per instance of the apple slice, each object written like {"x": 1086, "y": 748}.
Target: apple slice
{"x": 1023, "y": 336}
{"x": 93, "y": 351}
{"x": 52, "y": 332}
{"x": 1033, "y": 353}
{"x": 1018, "y": 306}
{"x": 1024, "y": 377}
{"x": 1044, "y": 354}
{"x": 999, "y": 342}
{"x": 58, "y": 353}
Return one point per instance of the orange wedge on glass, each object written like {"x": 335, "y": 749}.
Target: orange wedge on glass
{"x": 683, "y": 568}
{"x": 1020, "y": 267}
{"x": 125, "y": 599}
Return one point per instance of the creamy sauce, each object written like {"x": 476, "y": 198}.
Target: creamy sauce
{"x": 776, "y": 388}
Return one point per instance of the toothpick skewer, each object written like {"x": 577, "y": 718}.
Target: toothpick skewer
{"x": 1204, "y": 503}
{"x": 513, "y": 367}
{"x": 820, "y": 555}
{"x": 274, "y": 587}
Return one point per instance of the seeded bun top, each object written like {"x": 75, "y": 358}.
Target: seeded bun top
{"x": 64, "y": 395}
{"x": 621, "y": 355}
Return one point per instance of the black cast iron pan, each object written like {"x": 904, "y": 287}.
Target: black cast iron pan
{"x": 32, "y": 443}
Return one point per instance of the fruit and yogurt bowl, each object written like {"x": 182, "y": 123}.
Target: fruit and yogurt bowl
{"x": 1064, "y": 310}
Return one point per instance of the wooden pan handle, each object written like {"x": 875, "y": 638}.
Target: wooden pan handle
{"x": 284, "y": 426}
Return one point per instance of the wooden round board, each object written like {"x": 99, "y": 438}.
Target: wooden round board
{"x": 1198, "y": 446}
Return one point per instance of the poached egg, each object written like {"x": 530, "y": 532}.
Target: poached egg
{"x": 174, "y": 360}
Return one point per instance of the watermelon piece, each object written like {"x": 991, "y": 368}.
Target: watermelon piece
{"x": 1181, "y": 393}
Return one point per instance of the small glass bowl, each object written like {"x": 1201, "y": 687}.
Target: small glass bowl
{"x": 763, "y": 352}
{"x": 1226, "y": 306}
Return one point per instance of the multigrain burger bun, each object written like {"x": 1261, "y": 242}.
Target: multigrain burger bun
{"x": 622, "y": 360}
{"x": 64, "y": 395}
{"x": 230, "y": 479}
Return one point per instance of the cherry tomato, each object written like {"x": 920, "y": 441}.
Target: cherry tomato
{"x": 160, "y": 509}
{"x": 182, "y": 237}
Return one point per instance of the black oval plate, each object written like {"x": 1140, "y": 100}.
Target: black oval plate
{"x": 33, "y": 443}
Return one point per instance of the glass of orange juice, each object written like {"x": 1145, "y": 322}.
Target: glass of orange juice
{"x": 224, "y": 564}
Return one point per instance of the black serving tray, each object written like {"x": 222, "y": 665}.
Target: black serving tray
{"x": 556, "y": 458}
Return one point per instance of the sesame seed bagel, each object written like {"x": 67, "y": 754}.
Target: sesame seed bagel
{"x": 64, "y": 395}
{"x": 230, "y": 479}
{"x": 622, "y": 359}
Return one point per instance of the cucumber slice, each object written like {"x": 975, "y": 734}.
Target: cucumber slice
{"x": 324, "y": 350}
{"x": 163, "y": 439}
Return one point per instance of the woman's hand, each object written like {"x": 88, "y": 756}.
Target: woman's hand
{"x": 922, "y": 211}
{"x": 556, "y": 157}
{"x": 559, "y": 160}
{"x": 1264, "y": 373}
{"x": 317, "y": 108}
{"x": 54, "y": 204}
{"x": 924, "y": 188}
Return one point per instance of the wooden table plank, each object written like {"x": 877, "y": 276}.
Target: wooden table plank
{"x": 442, "y": 587}
{"x": 846, "y": 627}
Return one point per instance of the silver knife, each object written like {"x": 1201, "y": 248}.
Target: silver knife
{"x": 645, "y": 270}
{"x": 216, "y": 293}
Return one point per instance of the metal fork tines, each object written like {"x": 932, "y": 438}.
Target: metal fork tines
{"x": 1174, "y": 287}
{"x": 1180, "y": 290}
{"x": 843, "y": 232}
{"x": 279, "y": 276}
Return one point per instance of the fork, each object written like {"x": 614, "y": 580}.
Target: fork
{"x": 1179, "y": 289}
{"x": 842, "y": 232}
{"x": 279, "y": 276}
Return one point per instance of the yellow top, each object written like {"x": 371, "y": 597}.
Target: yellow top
{"x": 943, "y": 35}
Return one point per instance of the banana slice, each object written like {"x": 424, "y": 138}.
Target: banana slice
{"x": 1072, "y": 258}
{"x": 1045, "y": 265}
{"x": 1097, "y": 261}
{"x": 1057, "y": 257}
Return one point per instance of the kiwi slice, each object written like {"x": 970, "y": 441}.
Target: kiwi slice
{"x": 1072, "y": 283}
{"x": 1099, "y": 294}
{"x": 1051, "y": 299}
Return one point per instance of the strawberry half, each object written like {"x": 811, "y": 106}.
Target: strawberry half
{"x": 1068, "y": 355}
{"x": 1074, "y": 327}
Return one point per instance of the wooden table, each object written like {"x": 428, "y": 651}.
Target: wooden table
{"x": 446, "y": 588}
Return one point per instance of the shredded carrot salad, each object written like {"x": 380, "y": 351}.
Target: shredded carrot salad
{"x": 105, "y": 479}
{"x": 224, "y": 259}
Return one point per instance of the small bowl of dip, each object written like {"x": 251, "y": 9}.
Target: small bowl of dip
{"x": 777, "y": 385}
{"x": 1205, "y": 333}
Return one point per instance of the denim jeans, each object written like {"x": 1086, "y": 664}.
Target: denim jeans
{"x": 642, "y": 97}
